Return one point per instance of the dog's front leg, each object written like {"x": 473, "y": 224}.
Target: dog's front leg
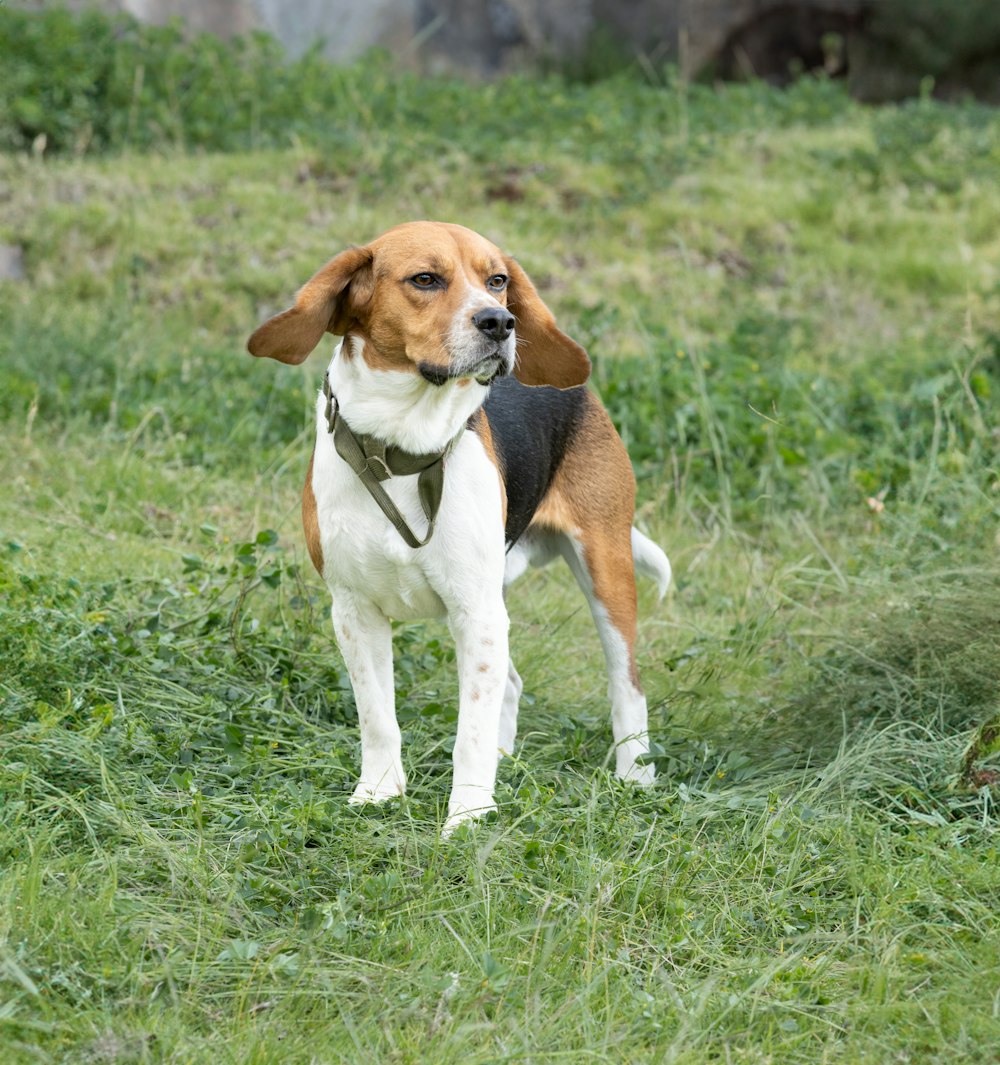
{"x": 365, "y": 639}
{"x": 481, "y": 644}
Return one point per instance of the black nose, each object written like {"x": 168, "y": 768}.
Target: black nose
{"x": 495, "y": 322}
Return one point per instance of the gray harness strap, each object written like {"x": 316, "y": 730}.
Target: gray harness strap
{"x": 374, "y": 461}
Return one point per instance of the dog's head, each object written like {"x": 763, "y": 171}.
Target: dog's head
{"x": 430, "y": 298}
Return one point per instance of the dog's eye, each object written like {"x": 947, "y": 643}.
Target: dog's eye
{"x": 424, "y": 280}
{"x": 498, "y": 282}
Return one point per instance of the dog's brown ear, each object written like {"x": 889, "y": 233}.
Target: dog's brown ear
{"x": 545, "y": 355}
{"x": 328, "y": 302}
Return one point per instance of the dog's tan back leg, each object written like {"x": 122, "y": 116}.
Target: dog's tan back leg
{"x": 591, "y": 503}
{"x": 602, "y": 565}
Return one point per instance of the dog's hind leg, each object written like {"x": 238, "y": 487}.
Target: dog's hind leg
{"x": 591, "y": 503}
{"x": 602, "y": 565}
{"x": 508, "y": 711}
{"x": 536, "y": 548}
{"x": 365, "y": 639}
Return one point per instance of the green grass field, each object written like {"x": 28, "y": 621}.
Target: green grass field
{"x": 793, "y": 305}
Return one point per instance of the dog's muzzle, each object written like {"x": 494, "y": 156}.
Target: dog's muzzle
{"x": 485, "y": 370}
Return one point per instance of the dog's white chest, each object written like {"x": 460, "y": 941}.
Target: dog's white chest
{"x": 362, "y": 552}
{"x": 365, "y": 555}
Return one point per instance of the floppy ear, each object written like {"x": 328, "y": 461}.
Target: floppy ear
{"x": 328, "y": 302}
{"x": 545, "y": 355}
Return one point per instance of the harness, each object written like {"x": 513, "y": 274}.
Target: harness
{"x": 375, "y": 461}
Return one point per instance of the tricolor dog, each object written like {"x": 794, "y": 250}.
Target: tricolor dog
{"x": 456, "y": 444}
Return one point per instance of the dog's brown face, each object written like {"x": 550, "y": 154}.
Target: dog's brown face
{"x": 441, "y": 294}
{"x": 430, "y": 298}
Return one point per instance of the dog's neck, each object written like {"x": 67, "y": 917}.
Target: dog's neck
{"x": 399, "y": 406}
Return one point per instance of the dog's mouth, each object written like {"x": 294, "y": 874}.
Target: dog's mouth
{"x": 485, "y": 370}
{"x": 490, "y": 369}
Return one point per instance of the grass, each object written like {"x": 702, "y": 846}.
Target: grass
{"x": 794, "y": 310}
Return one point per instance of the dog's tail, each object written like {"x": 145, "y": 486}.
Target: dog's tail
{"x": 650, "y": 561}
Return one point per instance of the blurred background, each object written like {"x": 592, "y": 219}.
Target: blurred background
{"x": 883, "y": 48}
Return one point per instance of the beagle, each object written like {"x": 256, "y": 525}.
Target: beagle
{"x": 455, "y": 411}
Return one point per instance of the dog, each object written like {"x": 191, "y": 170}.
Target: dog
{"x": 457, "y": 444}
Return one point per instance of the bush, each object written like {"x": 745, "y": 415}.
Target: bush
{"x": 956, "y": 46}
{"x": 94, "y": 82}
{"x": 97, "y": 83}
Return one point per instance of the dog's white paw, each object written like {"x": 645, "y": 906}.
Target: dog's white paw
{"x": 366, "y": 793}
{"x": 642, "y": 775}
{"x": 466, "y": 808}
